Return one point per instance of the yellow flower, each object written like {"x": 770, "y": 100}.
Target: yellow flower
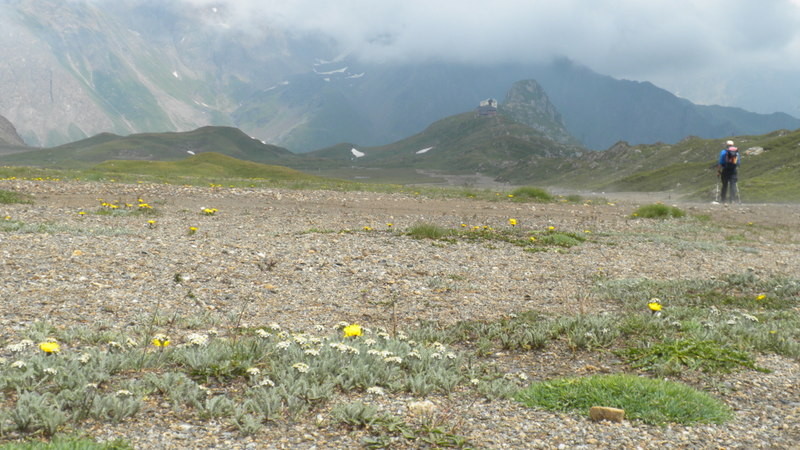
{"x": 192, "y": 230}
{"x": 82, "y": 213}
{"x": 551, "y": 228}
{"x": 533, "y": 239}
{"x": 512, "y": 222}
{"x": 761, "y": 297}
{"x": 510, "y": 195}
{"x": 654, "y": 305}
{"x": 160, "y": 340}
{"x": 390, "y": 225}
{"x": 50, "y": 346}
{"x": 463, "y": 225}
{"x": 367, "y": 228}
{"x": 352, "y": 330}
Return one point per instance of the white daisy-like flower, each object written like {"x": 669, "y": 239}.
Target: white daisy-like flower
{"x": 283, "y": 345}
{"x": 393, "y": 359}
{"x": 300, "y": 367}
{"x": 266, "y": 382}
{"x": 19, "y": 364}
{"x": 50, "y": 371}
{"x": 197, "y": 339}
{"x": 413, "y": 354}
{"x": 263, "y": 333}
{"x": 254, "y": 371}
{"x": 436, "y": 355}
{"x": 376, "y": 390}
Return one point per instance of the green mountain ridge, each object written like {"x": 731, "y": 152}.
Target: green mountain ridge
{"x": 464, "y": 144}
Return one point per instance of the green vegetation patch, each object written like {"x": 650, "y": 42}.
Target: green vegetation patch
{"x": 676, "y": 356}
{"x": 651, "y": 401}
{"x": 9, "y": 197}
{"x": 68, "y": 442}
{"x": 528, "y": 193}
{"x": 658, "y": 211}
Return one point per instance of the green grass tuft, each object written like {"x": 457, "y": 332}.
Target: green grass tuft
{"x": 658, "y": 211}
{"x": 528, "y": 193}
{"x": 651, "y": 401}
{"x": 9, "y": 197}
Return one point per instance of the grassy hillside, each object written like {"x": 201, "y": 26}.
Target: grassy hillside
{"x": 688, "y": 168}
{"x": 205, "y": 165}
{"x": 152, "y": 146}
{"x": 465, "y": 143}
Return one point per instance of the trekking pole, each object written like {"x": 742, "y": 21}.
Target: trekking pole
{"x": 716, "y": 194}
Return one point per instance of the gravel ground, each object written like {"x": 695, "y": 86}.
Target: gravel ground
{"x": 280, "y": 256}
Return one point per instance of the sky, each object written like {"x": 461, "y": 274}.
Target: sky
{"x": 704, "y": 50}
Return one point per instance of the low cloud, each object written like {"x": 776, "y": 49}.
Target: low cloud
{"x": 627, "y": 38}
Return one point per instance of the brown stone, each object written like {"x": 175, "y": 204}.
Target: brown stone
{"x": 597, "y": 413}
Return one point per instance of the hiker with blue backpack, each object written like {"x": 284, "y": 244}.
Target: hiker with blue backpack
{"x": 727, "y": 166}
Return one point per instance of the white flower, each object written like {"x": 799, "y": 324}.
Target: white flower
{"x": 450, "y": 355}
{"x": 84, "y": 358}
{"x": 254, "y": 371}
{"x": 413, "y": 354}
{"x": 197, "y": 339}
{"x": 376, "y": 390}
{"x": 274, "y": 326}
{"x": 300, "y": 367}
{"x": 114, "y": 345}
{"x": 311, "y": 352}
{"x": 89, "y": 386}
{"x": 731, "y": 322}
{"x": 439, "y": 347}
{"x": 19, "y": 364}
{"x": 266, "y": 382}
{"x": 369, "y": 342}
{"x": 283, "y": 345}
{"x": 319, "y": 328}
{"x": 263, "y": 333}
{"x": 393, "y": 359}
{"x": 131, "y": 343}
{"x": 50, "y": 371}
{"x": 284, "y": 335}
{"x": 475, "y": 381}
{"x": 384, "y": 335}
{"x": 436, "y": 355}
{"x": 213, "y": 332}
{"x": 2, "y": 361}
{"x": 124, "y": 393}
{"x": 401, "y": 336}
{"x": 750, "y": 318}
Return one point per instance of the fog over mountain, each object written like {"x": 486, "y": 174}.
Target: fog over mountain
{"x": 308, "y": 74}
{"x": 727, "y": 52}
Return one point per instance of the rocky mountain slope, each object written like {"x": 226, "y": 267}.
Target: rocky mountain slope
{"x": 71, "y": 70}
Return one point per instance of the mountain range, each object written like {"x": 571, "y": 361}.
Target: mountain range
{"x": 72, "y": 70}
